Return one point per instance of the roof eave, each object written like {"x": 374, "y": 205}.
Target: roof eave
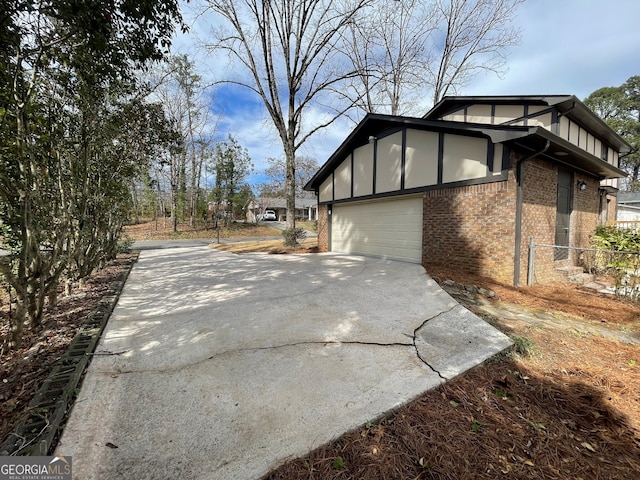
{"x": 588, "y": 162}
{"x": 566, "y": 104}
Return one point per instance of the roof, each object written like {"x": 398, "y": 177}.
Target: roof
{"x": 568, "y": 105}
{"x": 528, "y": 138}
{"x": 628, "y": 198}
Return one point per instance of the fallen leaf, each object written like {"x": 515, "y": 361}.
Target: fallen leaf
{"x": 529, "y": 462}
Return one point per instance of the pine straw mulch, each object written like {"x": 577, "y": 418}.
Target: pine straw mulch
{"x": 569, "y": 298}
{"x": 569, "y": 410}
{"x": 23, "y": 371}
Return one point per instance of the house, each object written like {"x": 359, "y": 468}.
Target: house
{"x": 629, "y": 209}
{"x": 469, "y": 183}
{"x": 306, "y": 208}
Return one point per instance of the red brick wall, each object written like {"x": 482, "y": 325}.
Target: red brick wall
{"x": 471, "y": 228}
{"x": 539, "y": 199}
{"x": 323, "y": 228}
{"x": 586, "y": 212}
{"x": 612, "y": 208}
{"x": 540, "y": 193}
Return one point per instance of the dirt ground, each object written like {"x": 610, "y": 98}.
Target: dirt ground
{"x": 567, "y": 407}
{"x": 162, "y": 230}
{"x": 23, "y": 371}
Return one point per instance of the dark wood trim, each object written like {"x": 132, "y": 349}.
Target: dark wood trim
{"x": 403, "y": 157}
{"x": 375, "y": 165}
{"x": 329, "y": 224}
{"x": 490, "y": 154}
{"x": 440, "y": 157}
{"x": 525, "y": 114}
{"x": 455, "y": 109}
{"x": 493, "y": 114}
{"x": 352, "y": 174}
{"x": 333, "y": 185}
{"x": 411, "y": 191}
{"x": 506, "y": 154}
{"x": 389, "y": 132}
{"x": 526, "y": 117}
{"x": 555, "y": 124}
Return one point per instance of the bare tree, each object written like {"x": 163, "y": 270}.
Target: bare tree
{"x": 476, "y": 34}
{"x": 288, "y": 48}
{"x": 180, "y": 91}
{"x": 406, "y": 51}
{"x": 275, "y": 186}
{"x": 389, "y": 48}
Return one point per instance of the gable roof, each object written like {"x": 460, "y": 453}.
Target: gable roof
{"x": 568, "y": 105}
{"x": 528, "y": 138}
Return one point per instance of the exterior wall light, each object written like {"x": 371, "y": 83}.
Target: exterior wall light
{"x": 582, "y": 186}
{"x": 372, "y": 139}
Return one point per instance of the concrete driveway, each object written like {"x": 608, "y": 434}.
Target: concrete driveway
{"x": 219, "y": 366}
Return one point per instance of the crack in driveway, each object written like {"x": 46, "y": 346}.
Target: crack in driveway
{"x": 256, "y": 349}
{"x": 415, "y": 333}
{"x": 315, "y": 342}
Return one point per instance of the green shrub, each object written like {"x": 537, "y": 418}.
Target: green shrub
{"x": 618, "y": 257}
{"x": 124, "y": 244}
{"x": 293, "y": 236}
{"x": 610, "y": 237}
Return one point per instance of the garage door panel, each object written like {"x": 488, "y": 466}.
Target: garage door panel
{"x": 390, "y": 228}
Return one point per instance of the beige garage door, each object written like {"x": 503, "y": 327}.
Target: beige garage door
{"x": 390, "y": 228}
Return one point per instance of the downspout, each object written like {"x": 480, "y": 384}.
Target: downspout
{"x": 518, "y": 239}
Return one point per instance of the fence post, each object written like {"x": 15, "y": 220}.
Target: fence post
{"x": 530, "y": 269}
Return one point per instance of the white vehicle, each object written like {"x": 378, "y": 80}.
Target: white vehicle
{"x": 269, "y": 215}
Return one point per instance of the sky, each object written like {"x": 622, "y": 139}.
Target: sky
{"x": 567, "y": 47}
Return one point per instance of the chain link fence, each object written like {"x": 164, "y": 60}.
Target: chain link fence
{"x": 620, "y": 269}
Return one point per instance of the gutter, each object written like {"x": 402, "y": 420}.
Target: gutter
{"x": 518, "y": 239}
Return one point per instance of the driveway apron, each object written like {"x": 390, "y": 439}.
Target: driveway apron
{"x": 221, "y": 366}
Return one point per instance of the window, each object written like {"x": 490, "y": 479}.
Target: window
{"x": 604, "y": 154}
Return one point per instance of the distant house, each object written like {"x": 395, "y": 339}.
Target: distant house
{"x": 306, "y": 208}
{"x": 628, "y": 207}
{"x": 469, "y": 183}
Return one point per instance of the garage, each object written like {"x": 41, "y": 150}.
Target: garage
{"x": 389, "y": 228}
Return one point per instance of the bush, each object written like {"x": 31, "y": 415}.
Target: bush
{"x": 293, "y": 236}
{"x": 610, "y": 237}
{"x": 618, "y": 256}
{"x": 124, "y": 244}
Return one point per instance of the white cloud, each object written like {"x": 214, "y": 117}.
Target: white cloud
{"x": 568, "y": 47}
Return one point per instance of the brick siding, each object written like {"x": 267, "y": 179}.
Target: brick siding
{"x": 323, "y": 228}
{"x": 471, "y": 228}
{"x": 539, "y": 199}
